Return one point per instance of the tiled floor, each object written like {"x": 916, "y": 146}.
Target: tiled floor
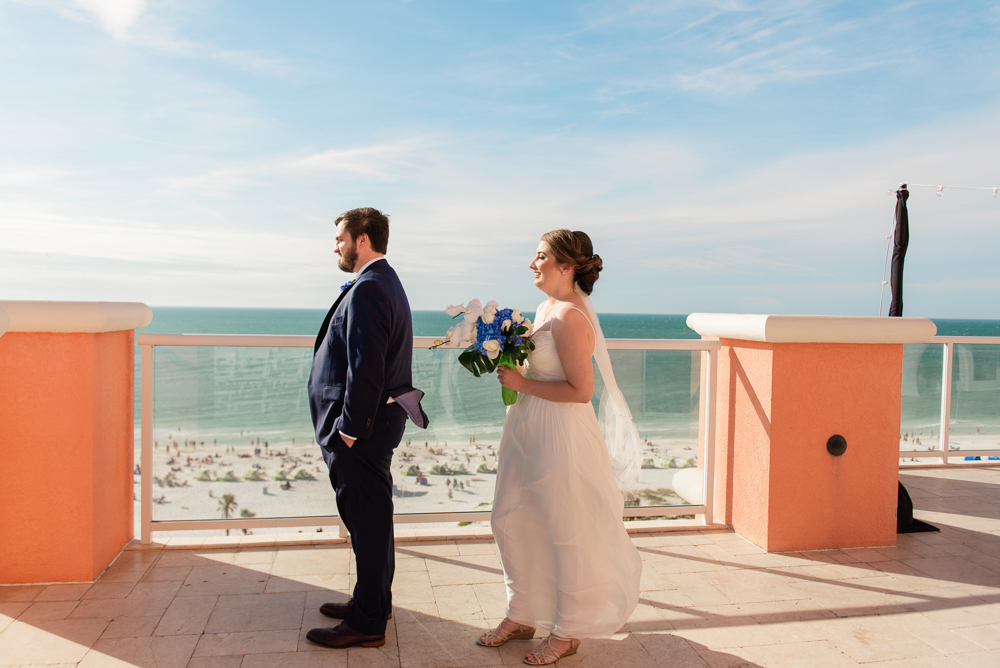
{"x": 708, "y": 599}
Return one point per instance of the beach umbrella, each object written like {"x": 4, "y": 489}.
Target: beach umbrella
{"x": 905, "y": 522}
{"x": 901, "y": 239}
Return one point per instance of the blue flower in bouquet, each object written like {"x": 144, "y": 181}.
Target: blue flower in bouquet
{"x": 489, "y": 329}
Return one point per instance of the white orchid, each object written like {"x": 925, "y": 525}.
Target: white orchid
{"x": 473, "y": 310}
{"x": 465, "y": 334}
{"x": 459, "y": 336}
{"x": 492, "y": 348}
{"x": 455, "y": 310}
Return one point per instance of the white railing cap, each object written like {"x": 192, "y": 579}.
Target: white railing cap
{"x": 73, "y": 317}
{"x": 812, "y": 328}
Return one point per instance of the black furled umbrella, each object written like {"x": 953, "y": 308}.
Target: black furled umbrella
{"x": 905, "y": 522}
{"x": 901, "y": 239}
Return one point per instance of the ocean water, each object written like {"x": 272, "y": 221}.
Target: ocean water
{"x": 226, "y": 394}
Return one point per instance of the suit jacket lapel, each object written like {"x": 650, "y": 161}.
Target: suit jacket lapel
{"x": 329, "y": 314}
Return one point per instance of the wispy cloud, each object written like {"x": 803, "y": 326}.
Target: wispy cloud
{"x": 382, "y": 162}
{"x": 791, "y": 61}
{"x": 732, "y": 259}
{"x": 116, "y": 17}
{"x": 141, "y": 24}
{"x": 248, "y": 61}
{"x": 29, "y": 175}
{"x": 736, "y": 47}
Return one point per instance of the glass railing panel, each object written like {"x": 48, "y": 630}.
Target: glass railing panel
{"x": 450, "y": 466}
{"x": 920, "y": 418}
{"x": 975, "y": 398}
{"x": 662, "y": 388}
{"x": 232, "y": 433}
{"x": 232, "y": 436}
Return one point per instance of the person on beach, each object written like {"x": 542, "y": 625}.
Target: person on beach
{"x": 569, "y": 566}
{"x": 360, "y": 394}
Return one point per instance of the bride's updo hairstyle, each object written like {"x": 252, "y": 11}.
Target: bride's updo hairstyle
{"x": 575, "y": 250}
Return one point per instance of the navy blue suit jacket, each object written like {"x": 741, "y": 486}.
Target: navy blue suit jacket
{"x": 364, "y": 355}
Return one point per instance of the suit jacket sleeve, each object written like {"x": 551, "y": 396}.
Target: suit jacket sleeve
{"x": 368, "y": 319}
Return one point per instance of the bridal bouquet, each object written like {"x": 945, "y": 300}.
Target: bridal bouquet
{"x": 494, "y": 336}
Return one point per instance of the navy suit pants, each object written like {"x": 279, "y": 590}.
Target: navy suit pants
{"x": 362, "y": 479}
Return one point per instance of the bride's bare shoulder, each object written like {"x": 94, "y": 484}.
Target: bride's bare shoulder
{"x": 572, "y": 316}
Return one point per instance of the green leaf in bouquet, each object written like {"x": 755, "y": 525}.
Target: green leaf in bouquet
{"x": 468, "y": 359}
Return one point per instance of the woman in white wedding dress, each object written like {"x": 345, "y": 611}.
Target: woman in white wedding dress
{"x": 569, "y": 565}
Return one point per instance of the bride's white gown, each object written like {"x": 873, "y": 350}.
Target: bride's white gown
{"x": 568, "y": 563}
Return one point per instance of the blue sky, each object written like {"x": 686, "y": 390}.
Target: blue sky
{"x": 724, "y": 155}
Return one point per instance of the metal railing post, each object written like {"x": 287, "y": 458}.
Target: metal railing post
{"x": 711, "y": 397}
{"x": 146, "y": 443}
{"x": 946, "y": 400}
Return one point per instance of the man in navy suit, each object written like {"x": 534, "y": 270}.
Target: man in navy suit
{"x": 360, "y": 394}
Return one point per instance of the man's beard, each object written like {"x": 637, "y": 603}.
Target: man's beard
{"x": 348, "y": 258}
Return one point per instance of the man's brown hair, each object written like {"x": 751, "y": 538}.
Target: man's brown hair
{"x": 367, "y": 220}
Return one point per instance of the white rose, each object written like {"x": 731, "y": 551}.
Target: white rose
{"x": 505, "y": 325}
{"x": 527, "y": 323}
{"x": 489, "y": 317}
{"x": 455, "y": 310}
{"x": 516, "y": 316}
{"x": 492, "y": 349}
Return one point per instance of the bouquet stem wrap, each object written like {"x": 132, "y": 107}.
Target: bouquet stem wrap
{"x": 509, "y": 395}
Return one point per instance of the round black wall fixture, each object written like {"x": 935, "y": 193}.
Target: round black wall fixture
{"x": 836, "y": 445}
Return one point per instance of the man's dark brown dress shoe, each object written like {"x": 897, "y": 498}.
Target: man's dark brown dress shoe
{"x": 340, "y": 610}
{"x": 342, "y": 635}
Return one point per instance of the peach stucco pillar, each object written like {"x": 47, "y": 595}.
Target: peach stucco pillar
{"x": 66, "y": 437}
{"x": 786, "y": 385}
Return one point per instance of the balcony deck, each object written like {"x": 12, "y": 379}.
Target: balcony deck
{"x": 708, "y": 599}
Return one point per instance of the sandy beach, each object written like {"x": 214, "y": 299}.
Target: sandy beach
{"x": 960, "y": 437}
{"x": 289, "y": 479}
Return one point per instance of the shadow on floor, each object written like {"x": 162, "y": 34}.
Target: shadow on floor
{"x": 252, "y": 608}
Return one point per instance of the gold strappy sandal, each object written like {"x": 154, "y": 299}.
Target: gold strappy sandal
{"x": 499, "y": 636}
{"x": 546, "y": 653}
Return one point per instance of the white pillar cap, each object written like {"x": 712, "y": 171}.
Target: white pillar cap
{"x": 812, "y": 328}
{"x": 72, "y": 317}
